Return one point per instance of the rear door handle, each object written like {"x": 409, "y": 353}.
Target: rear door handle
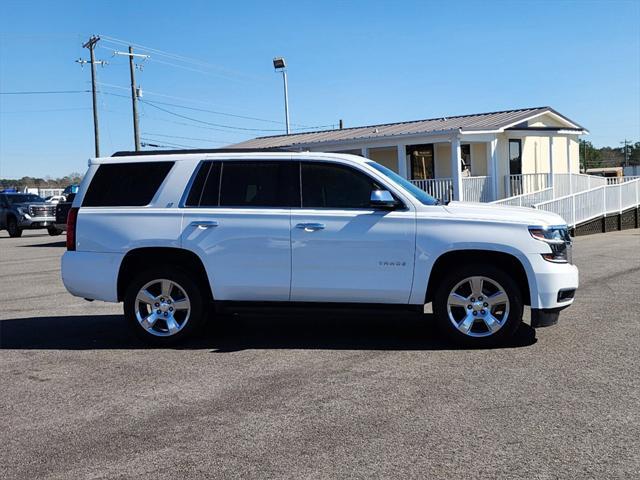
{"x": 205, "y": 224}
{"x": 310, "y": 227}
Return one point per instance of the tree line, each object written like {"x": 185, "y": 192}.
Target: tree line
{"x": 592, "y": 157}
{"x": 46, "y": 182}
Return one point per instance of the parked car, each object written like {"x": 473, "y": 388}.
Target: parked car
{"x": 170, "y": 234}
{"x": 26, "y": 211}
{"x": 55, "y": 199}
{"x": 62, "y": 211}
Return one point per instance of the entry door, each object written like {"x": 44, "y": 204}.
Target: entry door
{"x": 237, "y": 219}
{"x": 342, "y": 249}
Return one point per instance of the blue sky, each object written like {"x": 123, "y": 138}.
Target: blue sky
{"x": 363, "y": 61}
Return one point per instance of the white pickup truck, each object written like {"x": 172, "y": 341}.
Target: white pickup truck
{"x": 171, "y": 233}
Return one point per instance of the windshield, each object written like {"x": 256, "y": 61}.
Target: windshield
{"x": 420, "y": 195}
{"x": 24, "y": 198}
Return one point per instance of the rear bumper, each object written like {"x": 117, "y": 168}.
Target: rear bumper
{"x": 92, "y": 275}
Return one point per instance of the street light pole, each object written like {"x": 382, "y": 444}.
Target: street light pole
{"x": 280, "y": 65}
{"x": 286, "y": 100}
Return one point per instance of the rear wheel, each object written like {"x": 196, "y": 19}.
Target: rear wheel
{"x": 164, "y": 306}
{"x": 478, "y": 305}
{"x": 53, "y": 231}
{"x": 12, "y": 228}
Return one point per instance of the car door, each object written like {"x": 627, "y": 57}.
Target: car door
{"x": 237, "y": 219}
{"x": 343, "y": 250}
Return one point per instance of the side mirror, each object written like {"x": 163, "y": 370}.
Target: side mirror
{"x": 383, "y": 199}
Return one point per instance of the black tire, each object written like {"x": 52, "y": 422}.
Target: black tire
{"x": 510, "y": 323}
{"x": 53, "y": 231}
{"x": 12, "y": 228}
{"x": 195, "y": 296}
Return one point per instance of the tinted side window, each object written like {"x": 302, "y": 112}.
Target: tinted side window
{"x": 205, "y": 187}
{"x": 326, "y": 185}
{"x": 126, "y": 184}
{"x": 260, "y": 184}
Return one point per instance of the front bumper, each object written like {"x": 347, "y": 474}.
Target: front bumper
{"x": 551, "y": 279}
{"x": 27, "y": 222}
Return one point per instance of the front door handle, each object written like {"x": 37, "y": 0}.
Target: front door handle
{"x": 205, "y": 224}
{"x": 310, "y": 227}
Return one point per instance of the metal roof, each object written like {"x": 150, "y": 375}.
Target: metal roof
{"x": 491, "y": 121}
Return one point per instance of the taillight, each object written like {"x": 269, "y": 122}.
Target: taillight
{"x": 72, "y": 220}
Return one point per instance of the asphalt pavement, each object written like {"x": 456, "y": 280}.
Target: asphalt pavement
{"x": 317, "y": 396}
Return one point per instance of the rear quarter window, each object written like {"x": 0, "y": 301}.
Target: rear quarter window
{"x": 125, "y": 184}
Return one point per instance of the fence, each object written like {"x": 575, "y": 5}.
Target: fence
{"x": 526, "y": 183}
{"x": 440, "y": 188}
{"x": 596, "y": 202}
{"x": 528, "y": 199}
{"x": 614, "y": 180}
{"x": 476, "y": 189}
{"x": 568, "y": 183}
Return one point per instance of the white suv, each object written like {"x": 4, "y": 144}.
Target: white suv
{"x": 170, "y": 233}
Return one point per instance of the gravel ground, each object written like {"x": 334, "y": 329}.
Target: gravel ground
{"x": 317, "y": 396}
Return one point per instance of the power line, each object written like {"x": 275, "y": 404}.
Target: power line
{"x": 185, "y": 138}
{"x": 171, "y": 144}
{"x": 174, "y": 56}
{"x": 151, "y": 104}
{"x": 216, "y": 112}
{"x": 2, "y": 112}
{"x": 49, "y": 92}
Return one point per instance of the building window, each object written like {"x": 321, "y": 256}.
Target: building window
{"x": 421, "y": 161}
{"x": 515, "y": 157}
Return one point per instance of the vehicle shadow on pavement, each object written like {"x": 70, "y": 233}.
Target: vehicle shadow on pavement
{"x": 232, "y": 333}
{"x": 59, "y": 243}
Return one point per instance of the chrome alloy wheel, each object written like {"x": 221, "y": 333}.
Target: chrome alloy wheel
{"x": 162, "y": 307}
{"x": 478, "y": 306}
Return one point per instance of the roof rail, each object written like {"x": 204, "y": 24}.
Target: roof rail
{"x": 125, "y": 153}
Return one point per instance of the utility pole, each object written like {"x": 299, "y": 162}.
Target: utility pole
{"x": 134, "y": 92}
{"x": 626, "y": 152}
{"x": 91, "y": 44}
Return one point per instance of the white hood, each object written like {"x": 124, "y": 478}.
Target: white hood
{"x": 501, "y": 213}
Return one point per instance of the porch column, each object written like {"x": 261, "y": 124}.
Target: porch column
{"x": 402, "y": 161}
{"x": 551, "y": 179}
{"x": 456, "y": 174}
{"x": 492, "y": 167}
{"x": 364, "y": 151}
{"x": 569, "y": 165}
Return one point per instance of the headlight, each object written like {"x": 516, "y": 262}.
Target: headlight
{"x": 558, "y": 240}
{"x": 21, "y": 210}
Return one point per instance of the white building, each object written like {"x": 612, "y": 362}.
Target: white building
{"x": 479, "y": 157}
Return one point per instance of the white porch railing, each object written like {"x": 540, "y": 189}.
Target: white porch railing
{"x": 476, "y": 189}
{"x": 596, "y": 202}
{"x": 526, "y": 183}
{"x": 614, "y": 180}
{"x": 528, "y": 199}
{"x": 568, "y": 183}
{"x": 439, "y": 188}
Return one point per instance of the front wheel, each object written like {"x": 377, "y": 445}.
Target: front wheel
{"x": 164, "y": 306}
{"x": 53, "y": 231}
{"x": 478, "y": 305}
{"x": 13, "y": 229}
